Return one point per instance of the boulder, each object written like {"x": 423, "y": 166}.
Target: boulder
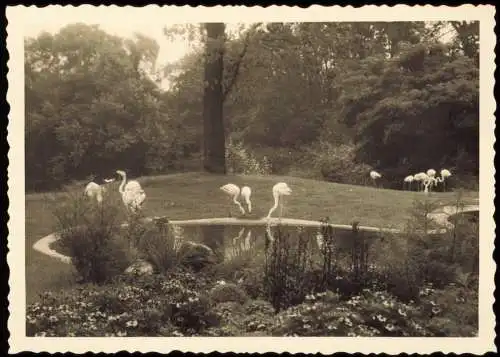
{"x": 140, "y": 267}
{"x": 196, "y": 255}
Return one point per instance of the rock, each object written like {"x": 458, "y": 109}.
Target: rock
{"x": 196, "y": 255}
{"x": 140, "y": 267}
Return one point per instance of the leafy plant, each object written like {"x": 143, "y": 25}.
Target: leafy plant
{"x": 90, "y": 233}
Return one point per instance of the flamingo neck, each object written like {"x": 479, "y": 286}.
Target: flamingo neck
{"x": 235, "y": 200}
{"x": 276, "y": 202}
{"x": 121, "y": 189}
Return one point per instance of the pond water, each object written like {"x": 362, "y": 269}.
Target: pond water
{"x": 232, "y": 240}
{"x": 470, "y": 216}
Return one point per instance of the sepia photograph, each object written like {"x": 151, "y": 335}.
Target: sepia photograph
{"x": 180, "y": 173}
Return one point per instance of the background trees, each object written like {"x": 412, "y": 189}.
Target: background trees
{"x": 328, "y": 100}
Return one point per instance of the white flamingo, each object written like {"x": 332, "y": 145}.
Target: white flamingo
{"x": 420, "y": 177}
{"x": 375, "y": 176}
{"x": 246, "y": 191}
{"x": 427, "y": 183}
{"x": 133, "y": 195}
{"x": 233, "y": 191}
{"x": 432, "y": 177}
{"x": 408, "y": 179}
{"x": 279, "y": 190}
{"x": 94, "y": 190}
{"x": 445, "y": 173}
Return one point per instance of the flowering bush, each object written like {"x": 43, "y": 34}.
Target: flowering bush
{"x": 368, "y": 314}
{"x": 227, "y": 292}
{"x": 258, "y": 315}
{"x": 146, "y": 306}
{"x": 452, "y": 311}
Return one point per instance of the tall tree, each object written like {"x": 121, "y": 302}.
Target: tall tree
{"x": 214, "y": 159}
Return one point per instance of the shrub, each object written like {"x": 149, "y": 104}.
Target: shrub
{"x": 90, "y": 233}
{"x": 337, "y": 163}
{"x": 368, "y": 314}
{"x": 241, "y": 161}
{"x": 139, "y": 306}
{"x": 231, "y": 317}
{"x": 251, "y": 281}
{"x": 259, "y": 316}
{"x": 227, "y": 292}
{"x": 452, "y": 311}
{"x": 158, "y": 245}
{"x": 288, "y": 259}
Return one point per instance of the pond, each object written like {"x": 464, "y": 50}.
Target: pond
{"x": 229, "y": 241}
{"x": 471, "y": 216}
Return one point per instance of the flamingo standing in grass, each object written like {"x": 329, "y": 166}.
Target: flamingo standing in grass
{"x": 246, "y": 191}
{"x": 444, "y": 175}
{"x": 133, "y": 195}
{"x": 233, "y": 191}
{"x": 408, "y": 180}
{"x": 420, "y": 177}
{"x": 279, "y": 190}
{"x": 374, "y": 175}
{"x": 432, "y": 177}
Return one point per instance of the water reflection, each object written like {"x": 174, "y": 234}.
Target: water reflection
{"x": 231, "y": 241}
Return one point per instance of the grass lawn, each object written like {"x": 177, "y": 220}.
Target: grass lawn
{"x": 197, "y": 195}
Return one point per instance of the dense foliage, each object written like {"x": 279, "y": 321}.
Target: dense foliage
{"x": 414, "y": 284}
{"x": 388, "y": 96}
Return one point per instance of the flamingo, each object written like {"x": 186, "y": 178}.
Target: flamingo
{"x": 408, "y": 179}
{"x": 246, "y": 191}
{"x": 431, "y": 172}
{"x": 279, "y": 190}
{"x": 374, "y": 176}
{"x": 427, "y": 183}
{"x": 94, "y": 190}
{"x": 234, "y": 191}
{"x": 444, "y": 175}
{"x": 133, "y": 195}
{"x": 421, "y": 177}
{"x": 432, "y": 177}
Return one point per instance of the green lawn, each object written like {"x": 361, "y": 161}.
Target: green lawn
{"x": 197, "y": 195}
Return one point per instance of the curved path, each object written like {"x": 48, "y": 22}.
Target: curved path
{"x": 440, "y": 216}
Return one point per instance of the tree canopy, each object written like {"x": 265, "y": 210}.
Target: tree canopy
{"x": 307, "y": 96}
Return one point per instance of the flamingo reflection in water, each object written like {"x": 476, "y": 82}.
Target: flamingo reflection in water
{"x": 239, "y": 245}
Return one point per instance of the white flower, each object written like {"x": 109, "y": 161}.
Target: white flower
{"x": 347, "y": 321}
{"x": 132, "y": 323}
{"x": 381, "y": 318}
{"x": 436, "y": 310}
{"x": 390, "y": 327}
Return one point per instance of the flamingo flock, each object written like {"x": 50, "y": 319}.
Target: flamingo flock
{"x": 134, "y": 196}
{"x": 427, "y": 180}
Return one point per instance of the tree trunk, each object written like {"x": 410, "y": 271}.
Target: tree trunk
{"x": 214, "y": 159}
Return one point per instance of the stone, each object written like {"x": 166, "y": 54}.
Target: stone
{"x": 140, "y": 267}
{"x": 196, "y": 255}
